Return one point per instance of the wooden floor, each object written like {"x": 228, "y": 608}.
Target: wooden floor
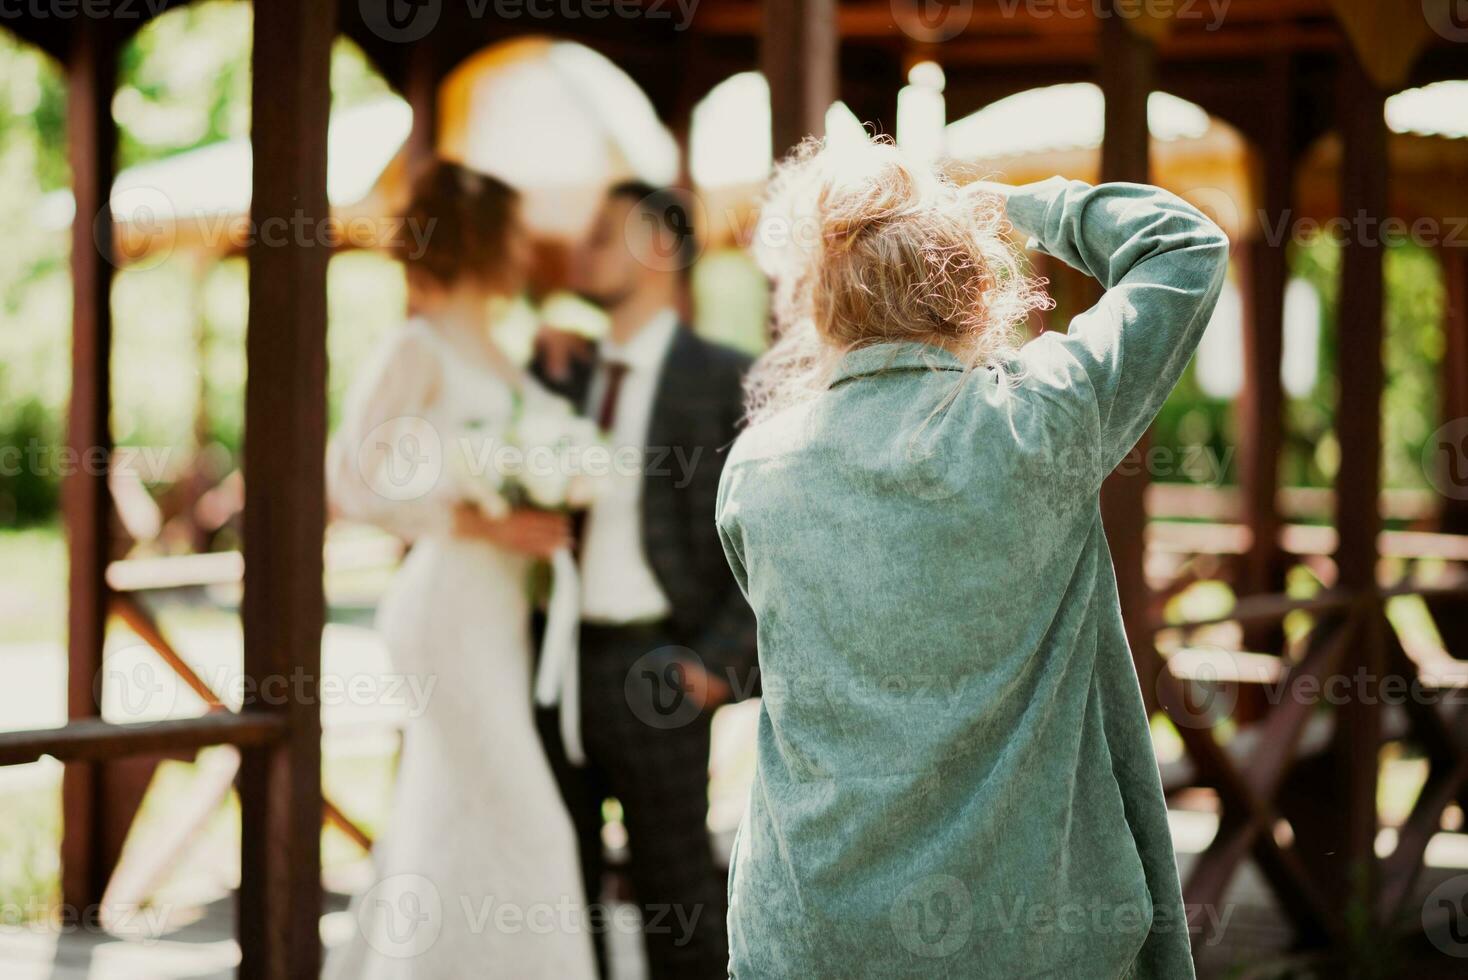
{"x": 200, "y": 949}
{"x": 199, "y": 946}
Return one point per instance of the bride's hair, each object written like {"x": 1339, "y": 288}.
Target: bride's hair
{"x": 865, "y": 245}
{"x": 458, "y": 225}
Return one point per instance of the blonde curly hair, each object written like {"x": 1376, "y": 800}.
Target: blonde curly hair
{"x": 865, "y": 245}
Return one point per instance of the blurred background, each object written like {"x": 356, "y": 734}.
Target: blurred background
{"x": 1314, "y": 435}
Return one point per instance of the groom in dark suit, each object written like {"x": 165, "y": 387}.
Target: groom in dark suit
{"x": 666, "y": 635}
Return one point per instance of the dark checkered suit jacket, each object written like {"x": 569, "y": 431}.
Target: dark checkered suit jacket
{"x": 696, "y": 414}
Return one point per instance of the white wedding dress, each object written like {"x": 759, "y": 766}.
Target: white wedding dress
{"x": 476, "y": 871}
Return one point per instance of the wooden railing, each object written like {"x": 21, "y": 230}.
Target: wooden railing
{"x": 1252, "y": 771}
{"x": 94, "y": 740}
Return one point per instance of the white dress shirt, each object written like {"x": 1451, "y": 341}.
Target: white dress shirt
{"x": 617, "y": 584}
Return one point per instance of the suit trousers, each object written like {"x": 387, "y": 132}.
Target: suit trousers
{"x": 647, "y": 745}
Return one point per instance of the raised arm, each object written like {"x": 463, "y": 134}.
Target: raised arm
{"x": 372, "y": 463}
{"x": 1162, "y": 263}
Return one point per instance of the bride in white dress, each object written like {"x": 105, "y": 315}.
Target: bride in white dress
{"x": 476, "y": 871}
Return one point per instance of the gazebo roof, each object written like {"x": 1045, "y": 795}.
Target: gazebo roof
{"x": 1204, "y": 56}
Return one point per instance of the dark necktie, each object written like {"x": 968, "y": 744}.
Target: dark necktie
{"x": 607, "y": 414}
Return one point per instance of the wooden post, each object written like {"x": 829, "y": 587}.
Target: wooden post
{"x": 1261, "y": 402}
{"x": 870, "y": 81}
{"x": 86, "y": 507}
{"x": 1127, "y": 71}
{"x": 421, "y": 91}
{"x": 285, "y": 512}
{"x": 1452, "y": 459}
{"x": 798, "y": 52}
{"x": 1345, "y": 845}
{"x": 1453, "y": 517}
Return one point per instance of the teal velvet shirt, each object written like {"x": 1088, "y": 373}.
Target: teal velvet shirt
{"x": 955, "y": 776}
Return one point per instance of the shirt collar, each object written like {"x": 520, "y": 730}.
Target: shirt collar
{"x": 648, "y": 346}
{"x": 893, "y": 356}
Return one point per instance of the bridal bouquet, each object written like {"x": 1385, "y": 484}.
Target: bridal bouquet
{"x": 545, "y": 456}
{"x": 548, "y": 457}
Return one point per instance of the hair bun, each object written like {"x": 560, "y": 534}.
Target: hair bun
{"x": 459, "y": 224}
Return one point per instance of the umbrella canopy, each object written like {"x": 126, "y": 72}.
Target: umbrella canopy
{"x": 559, "y": 122}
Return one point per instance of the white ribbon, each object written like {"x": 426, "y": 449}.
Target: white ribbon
{"x": 556, "y": 679}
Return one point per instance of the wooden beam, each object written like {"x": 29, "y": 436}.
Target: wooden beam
{"x": 889, "y": 18}
{"x": 285, "y": 512}
{"x": 420, "y": 89}
{"x": 1345, "y": 842}
{"x": 799, "y": 56}
{"x": 1265, "y": 271}
{"x": 93, "y": 739}
{"x": 1219, "y": 52}
{"x": 1268, "y": 609}
{"x": 1450, "y": 453}
{"x": 1362, "y": 291}
{"x": 1453, "y": 516}
{"x": 1249, "y": 815}
{"x": 870, "y": 80}
{"x": 1127, "y": 69}
{"x": 86, "y": 504}
{"x": 130, "y": 610}
{"x": 1447, "y": 773}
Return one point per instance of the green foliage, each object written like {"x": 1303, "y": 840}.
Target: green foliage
{"x": 29, "y": 488}
{"x": 32, "y": 117}
{"x": 184, "y": 81}
{"x": 30, "y": 844}
{"x": 1412, "y": 351}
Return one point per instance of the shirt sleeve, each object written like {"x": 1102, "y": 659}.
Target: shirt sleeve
{"x": 1162, "y": 264}
{"x": 729, "y": 537}
{"x": 385, "y": 465}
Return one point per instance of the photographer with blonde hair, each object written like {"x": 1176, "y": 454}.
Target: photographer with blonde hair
{"x": 955, "y": 775}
